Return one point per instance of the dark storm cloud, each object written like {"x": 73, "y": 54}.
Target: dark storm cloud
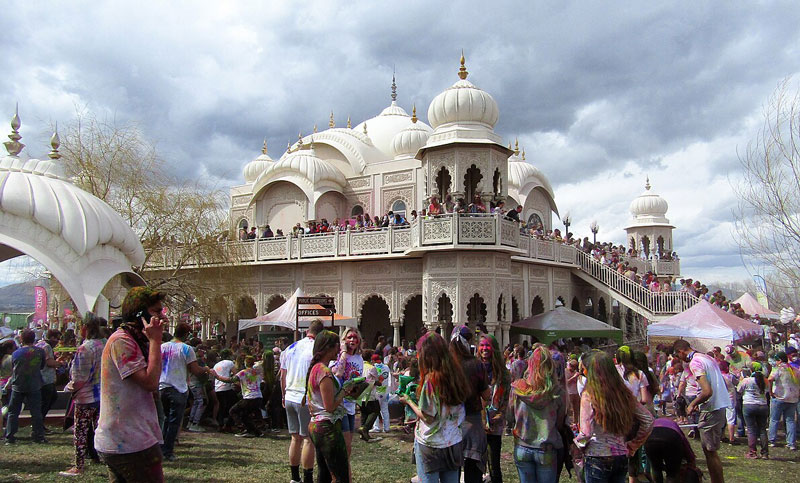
{"x": 599, "y": 93}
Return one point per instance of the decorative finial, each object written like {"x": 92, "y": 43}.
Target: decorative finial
{"x": 14, "y": 147}
{"x": 516, "y": 147}
{"x": 315, "y": 128}
{"x": 394, "y": 87}
{"x": 523, "y": 154}
{"x": 348, "y": 122}
{"x": 288, "y": 146}
{"x": 299, "y": 139}
{"x": 331, "y": 122}
{"x": 509, "y": 146}
{"x": 414, "y": 114}
{"x": 647, "y": 184}
{"x": 365, "y": 129}
{"x": 462, "y": 71}
{"x": 264, "y": 147}
{"x": 55, "y": 142}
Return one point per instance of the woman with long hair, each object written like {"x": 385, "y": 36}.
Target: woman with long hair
{"x": 440, "y": 411}
{"x": 473, "y": 430}
{"x": 634, "y": 378}
{"x": 349, "y": 365}
{"x": 499, "y": 384}
{"x": 324, "y": 396}
{"x": 649, "y": 382}
{"x": 756, "y": 411}
{"x": 609, "y": 413}
{"x": 539, "y": 410}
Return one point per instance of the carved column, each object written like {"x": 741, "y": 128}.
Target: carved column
{"x": 506, "y": 336}
{"x": 396, "y": 333}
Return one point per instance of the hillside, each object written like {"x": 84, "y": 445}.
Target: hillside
{"x": 18, "y": 297}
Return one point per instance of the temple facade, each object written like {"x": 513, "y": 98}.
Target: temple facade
{"x": 434, "y": 271}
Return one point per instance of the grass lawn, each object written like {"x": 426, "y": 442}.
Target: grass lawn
{"x": 213, "y": 457}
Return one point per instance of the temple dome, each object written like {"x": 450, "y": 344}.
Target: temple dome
{"x": 257, "y": 166}
{"x": 463, "y": 103}
{"x": 649, "y": 204}
{"x": 383, "y": 128}
{"x": 408, "y": 141}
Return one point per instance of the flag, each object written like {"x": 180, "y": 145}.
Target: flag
{"x": 40, "y": 306}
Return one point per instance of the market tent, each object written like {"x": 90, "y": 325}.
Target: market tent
{"x": 563, "y": 323}
{"x": 286, "y": 316}
{"x": 751, "y": 307}
{"x": 704, "y": 326}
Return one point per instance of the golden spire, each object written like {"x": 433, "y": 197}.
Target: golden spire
{"x": 299, "y": 139}
{"x": 414, "y": 114}
{"x": 264, "y": 148}
{"x": 523, "y": 154}
{"x": 462, "y": 71}
{"x": 13, "y": 146}
{"x": 315, "y": 128}
{"x": 647, "y": 184}
{"x": 509, "y": 145}
{"x": 348, "y": 122}
{"x": 288, "y": 146}
{"x": 516, "y": 147}
{"x": 55, "y": 142}
{"x": 331, "y": 123}
{"x": 365, "y": 129}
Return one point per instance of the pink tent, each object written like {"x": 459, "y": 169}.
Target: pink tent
{"x": 704, "y": 326}
{"x": 751, "y": 306}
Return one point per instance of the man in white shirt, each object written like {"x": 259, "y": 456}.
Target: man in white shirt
{"x": 295, "y": 361}
{"x": 176, "y": 358}
{"x": 712, "y": 402}
{"x": 224, "y": 390}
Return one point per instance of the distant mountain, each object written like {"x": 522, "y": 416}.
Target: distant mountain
{"x": 18, "y": 297}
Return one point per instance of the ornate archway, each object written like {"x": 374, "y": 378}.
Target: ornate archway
{"x": 537, "y": 307}
{"x": 374, "y": 320}
{"x": 411, "y": 328}
{"x": 576, "y": 304}
{"x": 476, "y": 311}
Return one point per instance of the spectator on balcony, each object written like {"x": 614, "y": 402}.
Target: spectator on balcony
{"x": 279, "y": 233}
{"x": 252, "y": 235}
{"x": 435, "y": 208}
{"x": 449, "y": 206}
{"x": 514, "y": 214}
{"x": 386, "y": 220}
{"x": 267, "y": 232}
{"x": 413, "y": 216}
{"x": 298, "y": 230}
{"x": 477, "y": 205}
{"x": 499, "y": 209}
{"x": 243, "y": 234}
{"x": 557, "y": 235}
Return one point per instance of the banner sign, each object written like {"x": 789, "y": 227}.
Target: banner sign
{"x": 324, "y": 301}
{"x": 40, "y": 306}
{"x": 314, "y": 312}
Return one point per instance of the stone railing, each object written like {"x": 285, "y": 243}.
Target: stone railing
{"x": 657, "y": 303}
{"x": 451, "y": 230}
{"x": 659, "y": 267}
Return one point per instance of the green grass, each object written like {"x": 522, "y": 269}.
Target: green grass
{"x": 213, "y": 457}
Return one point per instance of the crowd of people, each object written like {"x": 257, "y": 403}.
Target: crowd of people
{"x": 567, "y": 406}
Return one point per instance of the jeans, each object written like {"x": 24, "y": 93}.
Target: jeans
{"x": 787, "y": 410}
{"x": 606, "y": 469}
{"x": 174, "y": 403}
{"x": 452, "y": 476}
{"x": 245, "y": 412}
{"x": 383, "y": 401}
{"x": 495, "y": 442}
{"x": 536, "y": 465}
{"x": 33, "y": 402}
{"x": 226, "y": 401}
{"x": 740, "y": 422}
{"x": 369, "y": 413}
{"x": 49, "y": 396}
{"x": 143, "y": 465}
{"x": 756, "y": 416}
{"x": 198, "y": 404}
{"x": 331, "y": 451}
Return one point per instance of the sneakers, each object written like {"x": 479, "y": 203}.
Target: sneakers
{"x": 245, "y": 435}
{"x": 71, "y": 472}
{"x": 773, "y": 445}
{"x": 792, "y": 448}
{"x": 195, "y": 428}
{"x": 169, "y": 457}
{"x": 751, "y": 455}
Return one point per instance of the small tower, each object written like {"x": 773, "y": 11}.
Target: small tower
{"x": 650, "y": 232}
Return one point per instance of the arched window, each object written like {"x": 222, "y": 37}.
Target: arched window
{"x": 471, "y": 180}
{"x": 243, "y": 224}
{"x": 399, "y": 208}
{"x": 357, "y": 210}
{"x": 535, "y": 220}
{"x": 443, "y": 181}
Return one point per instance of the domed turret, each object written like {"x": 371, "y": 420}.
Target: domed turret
{"x": 257, "y": 166}
{"x": 408, "y": 141}
{"x": 649, "y": 204}
{"x": 463, "y": 103}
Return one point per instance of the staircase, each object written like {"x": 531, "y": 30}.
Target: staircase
{"x": 654, "y": 306}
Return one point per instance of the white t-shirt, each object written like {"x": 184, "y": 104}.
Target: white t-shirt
{"x": 295, "y": 360}
{"x": 633, "y": 382}
{"x": 175, "y": 356}
{"x": 702, "y": 365}
{"x": 445, "y": 429}
{"x": 223, "y": 368}
{"x": 354, "y": 367}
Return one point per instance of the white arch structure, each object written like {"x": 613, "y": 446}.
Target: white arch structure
{"x": 81, "y": 240}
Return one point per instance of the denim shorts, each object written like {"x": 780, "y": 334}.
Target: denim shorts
{"x": 349, "y": 423}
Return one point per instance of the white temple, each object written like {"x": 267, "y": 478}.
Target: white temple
{"x": 437, "y": 271}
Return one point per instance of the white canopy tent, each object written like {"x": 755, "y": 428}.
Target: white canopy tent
{"x": 286, "y": 316}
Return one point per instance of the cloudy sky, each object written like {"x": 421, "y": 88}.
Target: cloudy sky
{"x": 600, "y": 94}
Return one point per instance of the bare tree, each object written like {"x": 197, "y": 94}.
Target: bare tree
{"x": 186, "y": 218}
{"x": 768, "y": 212}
